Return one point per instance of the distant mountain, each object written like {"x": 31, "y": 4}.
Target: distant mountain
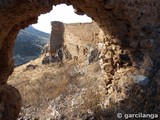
{"x": 28, "y": 45}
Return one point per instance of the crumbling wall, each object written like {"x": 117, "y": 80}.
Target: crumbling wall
{"x": 77, "y": 38}
{"x": 57, "y": 36}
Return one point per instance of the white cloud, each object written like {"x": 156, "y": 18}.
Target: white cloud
{"x": 61, "y": 13}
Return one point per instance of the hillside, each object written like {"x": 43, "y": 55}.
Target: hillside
{"x": 57, "y": 92}
{"x": 28, "y": 45}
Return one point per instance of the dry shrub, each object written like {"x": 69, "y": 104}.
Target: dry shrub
{"x": 91, "y": 102}
{"x": 40, "y": 90}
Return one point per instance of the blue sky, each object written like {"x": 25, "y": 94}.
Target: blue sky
{"x": 61, "y": 13}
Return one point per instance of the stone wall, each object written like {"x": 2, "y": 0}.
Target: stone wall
{"x": 76, "y": 37}
{"x": 57, "y": 36}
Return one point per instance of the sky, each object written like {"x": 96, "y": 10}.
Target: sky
{"x": 61, "y": 13}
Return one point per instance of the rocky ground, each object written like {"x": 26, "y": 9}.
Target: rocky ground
{"x": 72, "y": 90}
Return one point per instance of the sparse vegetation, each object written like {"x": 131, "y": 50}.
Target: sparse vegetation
{"x": 70, "y": 89}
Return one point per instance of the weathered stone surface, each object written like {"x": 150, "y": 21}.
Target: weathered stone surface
{"x": 31, "y": 67}
{"x": 140, "y": 79}
{"x": 46, "y": 60}
{"x": 74, "y": 37}
{"x": 10, "y": 103}
{"x": 57, "y": 36}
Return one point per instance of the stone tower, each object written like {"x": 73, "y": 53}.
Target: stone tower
{"x": 56, "y": 39}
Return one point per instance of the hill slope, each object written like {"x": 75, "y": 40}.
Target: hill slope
{"x": 53, "y": 92}
{"x": 28, "y": 45}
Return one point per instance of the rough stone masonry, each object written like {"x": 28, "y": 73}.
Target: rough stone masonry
{"x": 131, "y": 45}
{"x": 76, "y": 38}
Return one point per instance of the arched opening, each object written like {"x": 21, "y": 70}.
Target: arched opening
{"x": 30, "y": 41}
{"x": 49, "y": 81}
{"x": 131, "y": 45}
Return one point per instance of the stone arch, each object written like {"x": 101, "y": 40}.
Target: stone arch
{"x": 124, "y": 22}
{"x": 19, "y": 14}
